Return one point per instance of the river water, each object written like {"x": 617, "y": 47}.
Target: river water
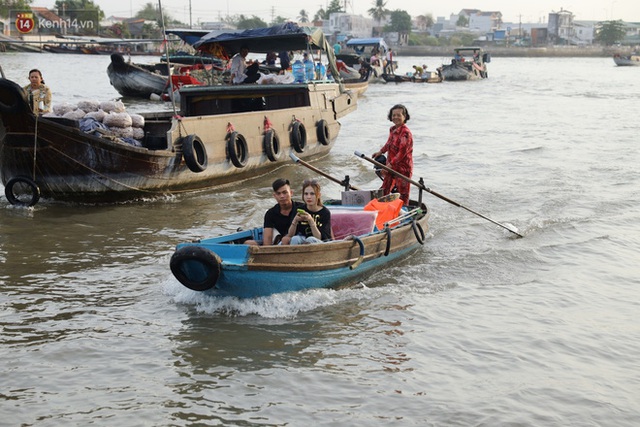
{"x": 478, "y": 327}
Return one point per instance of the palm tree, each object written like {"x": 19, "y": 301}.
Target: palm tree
{"x": 303, "y": 16}
{"x": 379, "y": 12}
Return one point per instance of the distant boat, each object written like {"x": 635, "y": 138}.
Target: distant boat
{"x": 431, "y": 77}
{"x": 468, "y": 63}
{"x": 626, "y": 60}
{"x": 134, "y": 81}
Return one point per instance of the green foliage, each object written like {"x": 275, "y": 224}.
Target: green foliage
{"x": 149, "y": 12}
{"x": 334, "y": 7}
{"x": 279, "y": 20}
{"x": 320, "y": 15}
{"x": 423, "y": 39}
{"x": 400, "y": 22}
{"x": 245, "y": 23}
{"x": 81, "y": 12}
{"x": 6, "y": 6}
{"x": 379, "y": 11}
{"x": 462, "y": 21}
{"x": 610, "y": 32}
{"x": 303, "y": 16}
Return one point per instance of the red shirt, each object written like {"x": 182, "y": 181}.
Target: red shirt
{"x": 399, "y": 147}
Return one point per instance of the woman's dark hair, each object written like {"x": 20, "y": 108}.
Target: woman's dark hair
{"x": 35, "y": 70}
{"x": 404, "y": 111}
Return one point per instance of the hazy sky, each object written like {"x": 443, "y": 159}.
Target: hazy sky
{"x": 512, "y": 10}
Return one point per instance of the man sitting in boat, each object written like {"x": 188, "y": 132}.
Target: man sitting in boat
{"x": 278, "y": 219}
{"x": 240, "y": 73}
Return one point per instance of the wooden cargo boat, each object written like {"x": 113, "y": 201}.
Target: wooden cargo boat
{"x": 221, "y": 134}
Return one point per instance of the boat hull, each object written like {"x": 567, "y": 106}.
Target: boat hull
{"x": 133, "y": 81}
{"x": 221, "y": 136}
{"x": 254, "y": 271}
{"x": 469, "y": 63}
{"x": 395, "y": 78}
{"x": 461, "y": 72}
{"x": 626, "y": 61}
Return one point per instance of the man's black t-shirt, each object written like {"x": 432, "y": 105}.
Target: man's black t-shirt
{"x": 274, "y": 219}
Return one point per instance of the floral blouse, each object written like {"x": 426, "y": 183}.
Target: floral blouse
{"x": 41, "y": 94}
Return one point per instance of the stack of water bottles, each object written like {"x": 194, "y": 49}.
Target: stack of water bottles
{"x": 309, "y": 69}
{"x": 321, "y": 71}
{"x": 297, "y": 68}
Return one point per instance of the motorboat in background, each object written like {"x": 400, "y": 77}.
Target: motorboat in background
{"x": 626, "y": 60}
{"x": 468, "y": 63}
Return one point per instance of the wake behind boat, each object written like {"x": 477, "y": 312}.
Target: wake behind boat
{"x": 221, "y": 134}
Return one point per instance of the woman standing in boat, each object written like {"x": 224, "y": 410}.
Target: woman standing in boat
{"x": 399, "y": 147}
{"x": 313, "y": 223}
{"x": 39, "y": 94}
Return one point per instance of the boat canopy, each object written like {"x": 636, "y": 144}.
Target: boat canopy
{"x": 187, "y": 35}
{"x": 372, "y": 41}
{"x": 468, "y": 48}
{"x": 287, "y": 36}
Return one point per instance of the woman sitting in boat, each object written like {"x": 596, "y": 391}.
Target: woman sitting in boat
{"x": 312, "y": 224}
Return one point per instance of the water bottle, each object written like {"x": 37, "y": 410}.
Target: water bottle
{"x": 309, "y": 70}
{"x": 298, "y": 71}
{"x": 321, "y": 70}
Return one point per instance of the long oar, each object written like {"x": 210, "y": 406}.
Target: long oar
{"x": 428, "y": 190}
{"x": 318, "y": 171}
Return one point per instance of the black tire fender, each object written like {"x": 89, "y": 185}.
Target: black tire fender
{"x": 271, "y": 144}
{"x": 298, "y": 136}
{"x": 322, "y": 131}
{"x": 195, "y": 153}
{"x": 418, "y": 231}
{"x": 14, "y": 198}
{"x": 237, "y": 149}
{"x": 196, "y": 267}
{"x": 15, "y": 96}
{"x": 387, "y": 248}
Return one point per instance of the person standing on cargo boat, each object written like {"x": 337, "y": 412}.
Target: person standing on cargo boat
{"x": 39, "y": 94}
{"x": 399, "y": 149}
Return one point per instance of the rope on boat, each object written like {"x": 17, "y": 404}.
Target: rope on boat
{"x": 35, "y": 146}
{"x": 102, "y": 175}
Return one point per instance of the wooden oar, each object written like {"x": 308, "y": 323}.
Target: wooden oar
{"x": 296, "y": 159}
{"x": 428, "y": 190}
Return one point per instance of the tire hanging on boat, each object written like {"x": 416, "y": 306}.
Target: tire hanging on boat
{"x": 29, "y": 195}
{"x": 17, "y": 98}
{"x": 194, "y": 153}
{"x": 237, "y": 149}
{"x": 271, "y": 145}
{"x": 195, "y": 267}
{"x": 387, "y": 248}
{"x": 322, "y": 131}
{"x": 298, "y": 136}
{"x": 418, "y": 231}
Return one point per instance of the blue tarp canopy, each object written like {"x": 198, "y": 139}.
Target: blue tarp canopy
{"x": 288, "y": 36}
{"x": 188, "y": 36}
{"x": 377, "y": 41}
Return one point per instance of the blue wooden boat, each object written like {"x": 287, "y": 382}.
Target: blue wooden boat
{"x": 225, "y": 266}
